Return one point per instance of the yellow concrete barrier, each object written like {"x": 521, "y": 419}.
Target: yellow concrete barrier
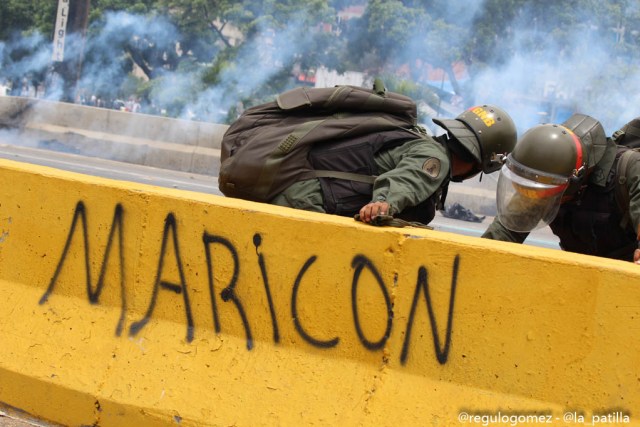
{"x": 123, "y": 305}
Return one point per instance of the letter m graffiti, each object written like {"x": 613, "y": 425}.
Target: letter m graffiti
{"x": 93, "y": 293}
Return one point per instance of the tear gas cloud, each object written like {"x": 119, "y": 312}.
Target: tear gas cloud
{"x": 545, "y": 81}
{"x": 534, "y": 86}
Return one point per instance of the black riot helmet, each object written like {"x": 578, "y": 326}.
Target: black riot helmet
{"x": 487, "y": 132}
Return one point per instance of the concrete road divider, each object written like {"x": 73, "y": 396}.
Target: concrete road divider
{"x": 182, "y": 145}
{"x": 123, "y": 304}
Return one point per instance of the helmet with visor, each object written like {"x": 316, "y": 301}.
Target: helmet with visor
{"x": 536, "y": 175}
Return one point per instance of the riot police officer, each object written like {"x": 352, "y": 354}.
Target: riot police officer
{"x": 569, "y": 177}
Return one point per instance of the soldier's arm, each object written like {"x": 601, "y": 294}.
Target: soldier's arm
{"x": 497, "y": 231}
{"x": 410, "y": 173}
{"x": 305, "y": 195}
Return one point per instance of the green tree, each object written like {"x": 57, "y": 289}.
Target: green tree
{"x": 25, "y": 17}
{"x": 186, "y": 51}
{"x": 254, "y": 46}
{"x": 385, "y": 32}
{"x": 24, "y": 31}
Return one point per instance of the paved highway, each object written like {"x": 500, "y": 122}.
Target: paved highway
{"x": 208, "y": 184}
{"x": 18, "y": 419}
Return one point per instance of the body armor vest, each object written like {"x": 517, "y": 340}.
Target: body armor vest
{"x": 590, "y": 224}
{"x": 346, "y": 197}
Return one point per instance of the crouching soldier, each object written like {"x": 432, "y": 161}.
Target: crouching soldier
{"x": 408, "y": 177}
{"x": 579, "y": 182}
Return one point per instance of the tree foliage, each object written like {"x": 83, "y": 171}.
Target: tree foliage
{"x": 248, "y": 50}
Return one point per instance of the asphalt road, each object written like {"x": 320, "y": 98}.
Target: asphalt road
{"x": 18, "y": 420}
{"x": 111, "y": 169}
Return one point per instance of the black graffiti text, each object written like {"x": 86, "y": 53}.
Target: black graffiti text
{"x": 227, "y": 292}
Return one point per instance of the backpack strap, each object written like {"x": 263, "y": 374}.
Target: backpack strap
{"x": 349, "y": 176}
{"x": 443, "y": 196}
{"x": 622, "y": 195}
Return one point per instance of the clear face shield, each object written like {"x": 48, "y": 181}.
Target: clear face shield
{"x": 527, "y": 199}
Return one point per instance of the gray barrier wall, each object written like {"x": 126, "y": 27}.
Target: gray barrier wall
{"x": 157, "y": 141}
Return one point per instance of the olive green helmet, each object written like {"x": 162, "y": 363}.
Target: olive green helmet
{"x": 550, "y": 149}
{"x": 545, "y": 163}
{"x": 487, "y": 132}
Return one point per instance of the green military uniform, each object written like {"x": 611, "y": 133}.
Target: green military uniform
{"x": 602, "y": 176}
{"x": 408, "y": 174}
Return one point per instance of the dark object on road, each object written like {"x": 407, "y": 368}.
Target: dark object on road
{"x": 457, "y": 211}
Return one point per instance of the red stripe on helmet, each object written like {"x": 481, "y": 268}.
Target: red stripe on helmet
{"x": 576, "y": 140}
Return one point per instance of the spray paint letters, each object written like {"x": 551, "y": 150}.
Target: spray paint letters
{"x": 422, "y": 298}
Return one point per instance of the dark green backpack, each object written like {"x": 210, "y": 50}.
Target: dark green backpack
{"x": 267, "y": 148}
{"x": 629, "y": 134}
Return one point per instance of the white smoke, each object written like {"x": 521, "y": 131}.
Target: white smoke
{"x": 546, "y": 81}
{"x": 538, "y": 83}
{"x": 22, "y": 56}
